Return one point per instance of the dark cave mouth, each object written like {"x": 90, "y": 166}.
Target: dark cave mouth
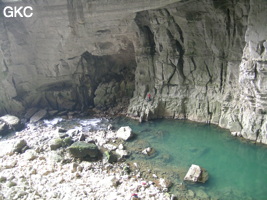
{"x": 106, "y": 80}
{"x": 99, "y": 81}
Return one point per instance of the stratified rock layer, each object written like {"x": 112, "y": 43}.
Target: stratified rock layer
{"x": 200, "y": 60}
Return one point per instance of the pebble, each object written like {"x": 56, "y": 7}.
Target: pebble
{"x": 154, "y": 175}
{"x": 10, "y": 164}
{"x": 3, "y": 179}
{"x": 191, "y": 193}
{"x": 121, "y": 147}
{"x": 73, "y": 167}
{"x": 11, "y": 184}
{"x": 165, "y": 183}
{"x": 30, "y": 154}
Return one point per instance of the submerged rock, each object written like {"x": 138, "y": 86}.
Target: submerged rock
{"x": 202, "y": 194}
{"x": 83, "y": 149}
{"x": 190, "y": 194}
{"x": 148, "y": 151}
{"x": 204, "y": 176}
{"x": 165, "y": 183}
{"x": 196, "y": 174}
{"x": 125, "y": 133}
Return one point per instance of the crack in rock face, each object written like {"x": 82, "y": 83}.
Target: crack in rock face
{"x": 203, "y": 61}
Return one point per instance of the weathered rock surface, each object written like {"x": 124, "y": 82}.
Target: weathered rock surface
{"x": 12, "y": 121}
{"x": 193, "y": 173}
{"x": 200, "y": 60}
{"x": 203, "y": 66}
{"x": 60, "y": 142}
{"x": 196, "y": 174}
{"x": 30, "y": 154}
{"x": 124, "y": 133}
{"x": 83, "y": 149}
{"x": 121, "y": 153}
{"x": 38, "y": 116}
{"x": 9, "y": 123}
{"x": 19, "y": 146}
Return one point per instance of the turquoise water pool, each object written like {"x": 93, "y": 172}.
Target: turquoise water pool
{"x": 237, "y": 169}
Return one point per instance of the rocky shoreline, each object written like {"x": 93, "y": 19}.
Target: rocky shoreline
{"x": 30, "y": 169}
{"x": 37, "y": 163}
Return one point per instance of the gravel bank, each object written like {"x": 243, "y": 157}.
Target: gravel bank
{"x": 32, "y": 170}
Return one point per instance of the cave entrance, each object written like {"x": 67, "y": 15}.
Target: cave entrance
{"x": 106, "y": 81}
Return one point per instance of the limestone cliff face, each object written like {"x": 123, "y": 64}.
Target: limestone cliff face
{"x": 202, "y": 60}
{"x": 59, "y": 58}
{"x": 192, "y": 62}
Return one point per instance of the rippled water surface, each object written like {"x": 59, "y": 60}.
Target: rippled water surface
{"x": 237, "y": 169}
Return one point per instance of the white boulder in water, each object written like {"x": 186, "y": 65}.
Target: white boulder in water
{"x": 196, "y": 174}
{"x": 121, "y": 153}
{"x": 124, "y": 133}
{"x": 147, "y": 151}
{"x": 110, "y": 127}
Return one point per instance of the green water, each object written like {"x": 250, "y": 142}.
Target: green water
{"x": 237, "y": 169}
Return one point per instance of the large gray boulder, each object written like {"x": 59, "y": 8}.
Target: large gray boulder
{"x": 9, "y": 123}
{"x": 84, "y": 150}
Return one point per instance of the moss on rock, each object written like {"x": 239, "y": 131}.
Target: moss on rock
{"x": 84, "y": 150}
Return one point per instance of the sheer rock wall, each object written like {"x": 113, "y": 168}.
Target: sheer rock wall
{"x": 202, "y": 60}
{"x": 206, "y": 62}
